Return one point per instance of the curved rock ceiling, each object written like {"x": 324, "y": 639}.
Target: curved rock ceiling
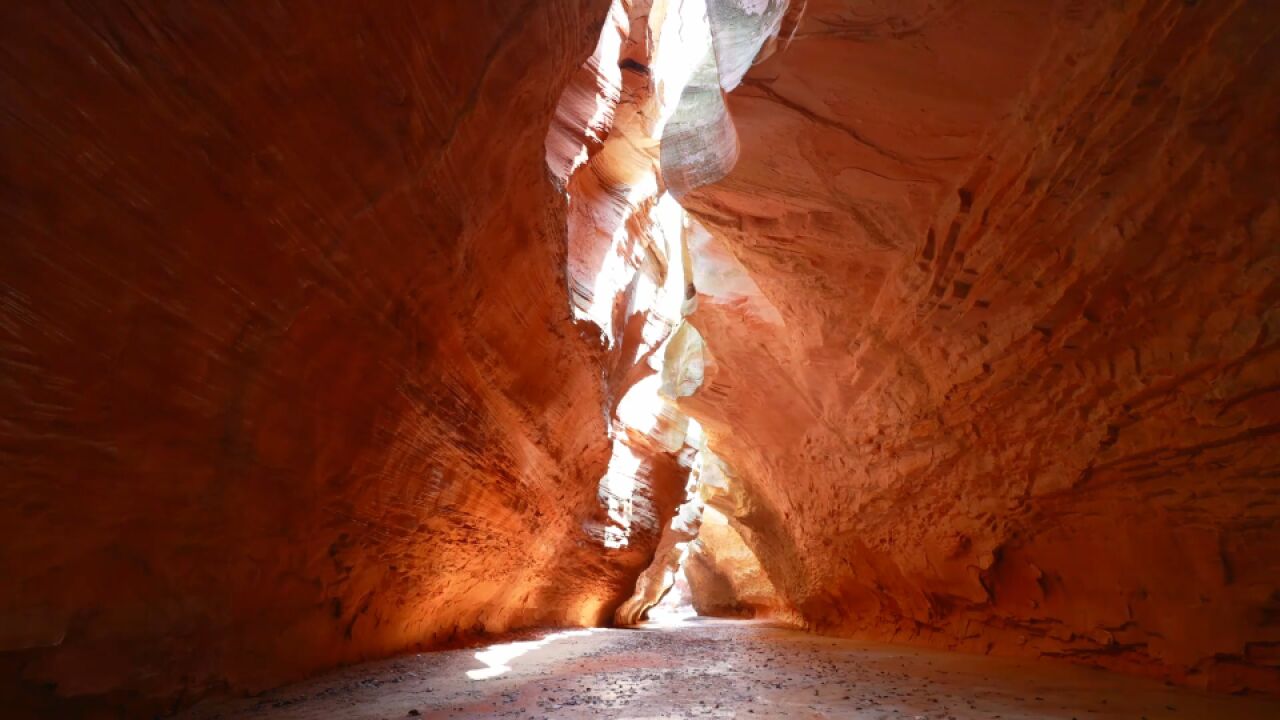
{"x": 337, "y": 330}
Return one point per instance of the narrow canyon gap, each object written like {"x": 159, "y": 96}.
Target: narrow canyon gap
{"x": 334, "y": 331}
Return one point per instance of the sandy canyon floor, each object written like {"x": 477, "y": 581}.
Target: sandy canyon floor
{"x": 703, "y": 668}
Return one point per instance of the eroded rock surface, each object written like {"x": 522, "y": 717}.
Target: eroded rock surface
{"x": 335, "y": 331}
{"x": 725, "y": 576}
{"x": 1021, "y": 397}
{"x": 290, "y": 373}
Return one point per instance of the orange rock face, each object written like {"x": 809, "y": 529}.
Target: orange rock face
{"x": 290, "y": 373}
{"x": 725, "y": 576}
{"x": 338, "y": 329}
{"x": 1022, "y": 394}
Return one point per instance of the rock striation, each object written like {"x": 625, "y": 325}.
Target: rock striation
{"x": 725, "y": 576}
{"x": 1020, "y": 392}
{"x": 336, "y": 331}
{"x": 291, "y": 377}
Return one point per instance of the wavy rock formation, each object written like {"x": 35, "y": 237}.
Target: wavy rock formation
{"x": 290, "y": 373}
{"x": 1021, "y": 396}
{"x": 341, "y": 329}
{"x": 725, "y": 577}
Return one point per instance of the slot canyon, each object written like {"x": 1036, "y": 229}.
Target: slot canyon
{"x": 640, "y": 359}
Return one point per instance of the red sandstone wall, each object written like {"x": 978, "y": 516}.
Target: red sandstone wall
{"x": 290, "y": 377}
{"x": 726, "y": 578}
{"x": 1023, "y": 395}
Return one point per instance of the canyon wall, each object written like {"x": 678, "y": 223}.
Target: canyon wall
{"x": 725, "y": 576}
{"x": 336, "y": 330}
{"x": 1021, "y": 392}
{"x": 291, "y": 376}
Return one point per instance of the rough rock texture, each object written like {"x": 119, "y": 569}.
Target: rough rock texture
{"x": 629, "y": 275}
{"x": 1022, "y": 396}
{"x": 626, "y": 276}
{"x": 725, "y": 576}
{"x": 658, "y": 579}
{"x": 290, "y": 376}
{"x": 336, "y": 329}
{"x": 655, "y": 583}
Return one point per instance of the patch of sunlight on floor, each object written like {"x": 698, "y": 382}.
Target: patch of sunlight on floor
{"x": 497, "y": 656}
